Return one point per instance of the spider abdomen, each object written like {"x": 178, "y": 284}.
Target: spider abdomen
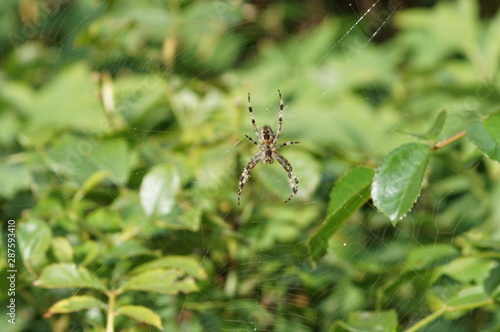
{"x": 268, "y": 159}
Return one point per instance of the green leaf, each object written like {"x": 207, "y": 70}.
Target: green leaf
{"x": 397, "y": 181}
{"x": 158, "y": 190}
{"x": 384, "y": 321}
{"x": 467, "y": 270}
{"x": 437, "y": 126}
{"x": 433, "y": 132}
{"x": 140, "y": 98}
{"x": 64, "y": 275}
{"x": 304, "y": 167}
{"x": 187, "y": 217}
{"x": 187, "y": 264}
{"x": 348, "y": 194}
{"x": 492, "y": 283}
{"x": 67, "y": 102}
{"x": 469, "y": 296}
{"x": 141, "y": 314}
{"x": 486, "y": 136}
{"x": 128, "y": 249}
{"x": 105, "y": 219}
{"x": 163, "y": 281}
{"x": 62, "y": 249}
{"x": 114, "y": 157}
{"x": 34, "y": 240}
{"x": 73, "y": 304}
{"x": 81, "y": 157}
{"x": 429, "y": 256}
{"x": 87, "y": 252}
{"x": 492, "y": 125}
{"x": 489, "y": 62}
{"x": 14, "y": 178}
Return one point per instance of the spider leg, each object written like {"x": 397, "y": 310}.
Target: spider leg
{"x": 253, "y": 141}
{"x": 245, "y": 175}
{"x": 292, "y": 179}
{"x": 280, "y": 119}
{"x": 255, "y": 130}
{"x": 285, "y": 144}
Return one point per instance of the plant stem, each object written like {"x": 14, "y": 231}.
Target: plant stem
{"x": 426, "y": 320}
{"x": 111, "y": 312}
{"x": 468, "y": 306}
{"x": 449, "y": 140}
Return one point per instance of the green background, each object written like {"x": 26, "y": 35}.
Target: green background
{"x": 122, "y": 141}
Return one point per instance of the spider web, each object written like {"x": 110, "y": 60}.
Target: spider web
{"x": 267, "y": 280}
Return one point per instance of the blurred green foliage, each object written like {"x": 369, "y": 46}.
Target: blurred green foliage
{"x": 122, "y": 130}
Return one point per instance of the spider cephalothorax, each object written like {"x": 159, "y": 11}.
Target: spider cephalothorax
{"x": 266, "y": 139}
{"x": 268, "y": 151}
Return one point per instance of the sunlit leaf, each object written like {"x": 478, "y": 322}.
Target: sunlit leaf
{"x": 347, "y": 195}
{"x": 397, "y": 181}
{"x": 141, "y": 314}
{"x": 64, "y": 275}
{"x": 164, "y": 281}
{"x": 158, "y": 190}
{"x": 187, "y": 264}
{"x": 73, "y": 304}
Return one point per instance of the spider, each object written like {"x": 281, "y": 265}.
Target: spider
{"x": 268, "y": 151}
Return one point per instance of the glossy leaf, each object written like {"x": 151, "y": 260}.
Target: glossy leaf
{"x": 397, "y": 181}
{"x": 73, "y": 304}
{"x": 64, "y": 275}
{"x": 141, "y": 314}
{"x": 163, "y": 281}
{"x": 348, "y": 194}
{"x": 158, "y": 190}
